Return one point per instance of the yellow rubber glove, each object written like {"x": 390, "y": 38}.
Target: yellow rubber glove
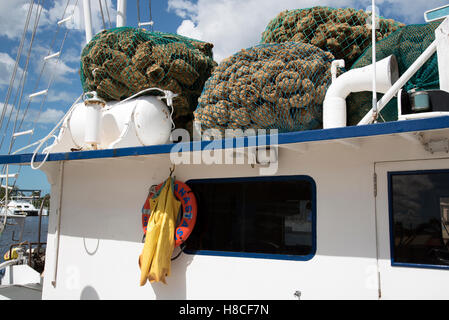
{"x": 155, "y": 260}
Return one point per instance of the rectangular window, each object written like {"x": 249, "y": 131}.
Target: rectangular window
{"x": 255, "y": 217}
{"x": 419, "y": 217}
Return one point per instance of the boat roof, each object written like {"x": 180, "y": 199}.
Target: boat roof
{"x": 371, "y": 130}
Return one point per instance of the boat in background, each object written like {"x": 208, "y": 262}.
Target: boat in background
{"x": 20, "y": 208}
{"x": 23, "y": 203}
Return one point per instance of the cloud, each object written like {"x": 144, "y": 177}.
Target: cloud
{"x": 13, "y": 16}
{"x": 8, "y": 109}
{"x": 6, "y": 69}
{"x": 409, "y": 12}
{"x": 61, "y": 96}
{"x": 49, "y": 116}
{"x": 182, "y": 8}
{"x": 59, "y": 71}
{"x": 77, "y": 23}
{"x": 232, "y": 25}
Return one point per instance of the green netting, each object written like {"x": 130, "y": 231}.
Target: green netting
{"x": 121, "y": 62}
{"x": 407, "y": 44}
{"x": 343, "y": 32}
{"x": 273, "y": 86}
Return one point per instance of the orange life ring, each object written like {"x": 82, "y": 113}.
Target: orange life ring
{"x": 189, "y": 211}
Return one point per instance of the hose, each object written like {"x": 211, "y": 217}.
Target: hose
{"x": 41, "y": 142}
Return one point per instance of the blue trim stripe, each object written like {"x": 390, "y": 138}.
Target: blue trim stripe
{"x": 283, "y": 138}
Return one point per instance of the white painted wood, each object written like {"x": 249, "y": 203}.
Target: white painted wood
{"x": 442, "y": 37}
{"x": 101, "y": 232}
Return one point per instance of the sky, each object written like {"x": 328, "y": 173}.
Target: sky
{"x": 230, "y": 25}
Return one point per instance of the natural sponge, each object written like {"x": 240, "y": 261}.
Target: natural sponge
{"x": 276, "y": 86}
{"x": 345, "y": 33}
{"x": 121, "y": 62}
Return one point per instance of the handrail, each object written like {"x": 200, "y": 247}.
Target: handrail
{"x": 8, "y": 263}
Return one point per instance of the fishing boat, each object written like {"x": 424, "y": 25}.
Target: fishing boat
{"x": 344, "y": 212}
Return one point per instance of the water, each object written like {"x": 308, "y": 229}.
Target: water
{"x": 30, "y": 233}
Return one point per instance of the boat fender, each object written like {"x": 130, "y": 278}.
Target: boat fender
{"x": 189, "y": 211}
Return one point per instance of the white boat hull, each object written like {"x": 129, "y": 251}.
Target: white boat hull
{"x": 93, "y": 247}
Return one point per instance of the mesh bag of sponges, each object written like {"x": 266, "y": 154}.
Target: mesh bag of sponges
{"x": 407, "y": 44}
{"x": 345, "y": 33}
{"x": 121, "y": 62}
{"x": 274, "y": 86}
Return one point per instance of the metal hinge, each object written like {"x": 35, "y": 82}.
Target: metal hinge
{"x": 380, "y": 288}
{"x": 375, "y": 184}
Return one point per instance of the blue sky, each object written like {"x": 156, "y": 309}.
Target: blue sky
{"x": 229, "y": 24}
{"x": 66, "y": 85}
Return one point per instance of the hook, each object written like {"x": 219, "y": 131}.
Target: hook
{"x": 172, "y": 169}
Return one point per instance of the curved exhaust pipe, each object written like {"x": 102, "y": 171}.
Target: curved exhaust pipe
{"x": 357, "y": 80}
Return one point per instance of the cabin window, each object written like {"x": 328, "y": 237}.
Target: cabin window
{"x": 255, "y": 217}
{"x": 419, "y": 214}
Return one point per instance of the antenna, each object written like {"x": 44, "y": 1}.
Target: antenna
{"x": 373, "y": 30}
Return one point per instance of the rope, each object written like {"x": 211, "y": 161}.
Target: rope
{"x": 16, "y": 65}
{"x": 151, "y": 17}
{"x": 38, "y": 14}
{"x": 50, "y": 135}
{"x": 36, "y": 23}
{"x": 12, "y": 141}
{"x": 107, "y": 11}
{"x": 102, "y": 15}
{"x": 138, "y": 13}
{"x": 52, "y": 78}
{"x": 40, "y": 74}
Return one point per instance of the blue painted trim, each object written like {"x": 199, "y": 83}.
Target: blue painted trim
{"x": 418, "y": 266}
{"x": 283, "y": 138}
{"x": 308, "y": 257}
{"x": 250, "y": 255}
{"x": 391, "y": 221}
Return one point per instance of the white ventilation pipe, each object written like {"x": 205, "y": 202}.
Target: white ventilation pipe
{"x": 357, "y": 80}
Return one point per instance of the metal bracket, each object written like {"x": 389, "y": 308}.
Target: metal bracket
{"x": 435, "y": 146}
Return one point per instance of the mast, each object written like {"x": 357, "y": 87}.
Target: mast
{"x": 87, "y": 20}
{"x": 121, "y": 13}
